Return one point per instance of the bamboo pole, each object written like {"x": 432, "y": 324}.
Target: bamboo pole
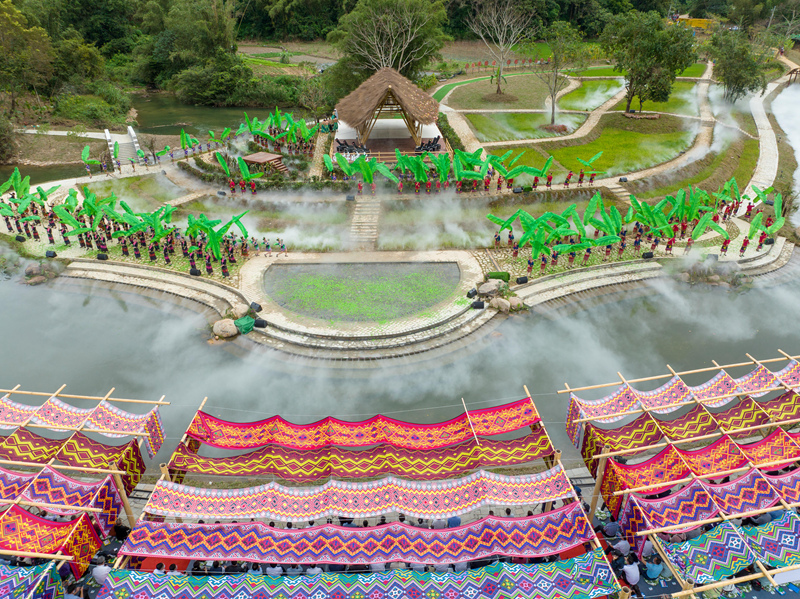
{"x": 695, "y": 371}
{"x": 695, "y": 523}
{"x": 62, "y": 467}
{"x": 120, "y": 564}
{"x": 125, "y": 502}
{"x": 33, "y": 554}
{"x": 49, "y": 506}
{"x": 663, "y": 555}
{"x": 722, "y": 583}
{"x": 160, "y": 402}
{"x": 601, "y": 470}
{"x": 463, "y": 403}
{"x": 79, "y": 429}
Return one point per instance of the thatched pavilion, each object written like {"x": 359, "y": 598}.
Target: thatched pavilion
{"x": 370, "y": 112}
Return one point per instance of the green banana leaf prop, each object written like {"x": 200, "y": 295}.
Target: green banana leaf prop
{"x": 116, "y": 150}
{"x": 461, "y": 174}
{"x": 242, "y": 128}
{"x": 588, "y": 163}
{"x": 328, "y": 162}
{"x": 246, "y": 175}
{"x": 705, "y": 223}
{"x": 606, "y": 240}
{"x": 44, "y": 195}
{"x": 164, "y": 151}
{"x": 5, "y": 210}
{"x": 516, "y": 158}
{"x": 536, "y": 239}
{"x": 386, "y": 172}
{"x": 184, "y": 140}
{"x": 441, "y": 163}
{"x": 755, "y": 225}
{"x": 565, "y": 248}
{"x": 140, "y": 153}
{"x": 226, "y": 132}
{"x": 346, "y": 167}
{"x": 29, "y": 218}
{"x": 223, "y": 163}
{"x": 504, "y": 224}
{"x": 85, "y": 157}
{"x": 472, "y": 158}
{"x": 779, "y": 218}
{"x": 212, "y": 137}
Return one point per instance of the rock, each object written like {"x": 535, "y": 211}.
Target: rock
{"x": 516, "y": 303}
{"x": 37, "y": 280}
{"x": 225, "y": 328}
{"x": 240, "y": 310}
{"x": 490, "y": 287}
{"x": 33, "y": 270}
{"x": 500, "y": 304}
{"x": 684, "y": 276}
{"x": 725, "y": 285}
{"x": 714, "y": 279}
{"x": 50, "y": 274}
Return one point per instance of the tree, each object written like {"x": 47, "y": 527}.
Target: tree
{"x": 650, "y": 53}
{"x": 567, "y": 51}
{"x": 740, "y": 67}
{"x": 315, "y": 97}
{"x": 201, "y": 28}
{"x": 501, "y": 25}
{"x": 25, "y": 52}
{"x": 401, "y": 34}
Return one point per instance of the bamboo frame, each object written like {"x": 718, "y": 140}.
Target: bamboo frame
{"x": 38, "y": 466}
{"x": 472, "y": 428}
{"x": 723, "y": 583}
{"x": 160, "y": 402}
{"x": 48, "y": 506}
{"x": 33, "y": 554}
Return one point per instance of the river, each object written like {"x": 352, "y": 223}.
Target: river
{"x": 147, "y": 347}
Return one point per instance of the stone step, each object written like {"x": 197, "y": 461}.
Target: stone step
{"x": 547, "y": 284}
{"x": 585, "y": 285}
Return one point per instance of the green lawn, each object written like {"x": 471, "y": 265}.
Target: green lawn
{"x": 142, "y": 193}
{"x": 502, "y": 126}
{"x": 696, "y": 70}
{"x": 590, "y": 94}
{"x": 683, "y": 100}
{"x": 530, "y": 157}
{"x": 625, "y": 151}
{"x": 519, "y": 91}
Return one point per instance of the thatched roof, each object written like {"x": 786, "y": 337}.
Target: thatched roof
{"x": 358, "y": 108}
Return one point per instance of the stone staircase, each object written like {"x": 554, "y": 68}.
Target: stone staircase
{"x": 364, "y": 222}
{"x": 778, "y": 256}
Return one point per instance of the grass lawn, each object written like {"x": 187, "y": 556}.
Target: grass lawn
{"x": 144, "y": 193}
{"x": 533, "y": 156}
{"x": 519, "y": 91}
{"x": 625, "y": 151}
{"x": 361, "y": 292}
{"x": 683, "y": 100}
{"x": 591, "y": 94}
{"x": 46, "y": 148}
{"x": 696, "y": 70}
{"x": 502, "y": 126}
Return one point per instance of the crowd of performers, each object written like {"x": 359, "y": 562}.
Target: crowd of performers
{"x": 434, "y": 185}
{"x": 296, "y": 148}
{"x": 642, "y": 235}
{"x": 141, "y": 243}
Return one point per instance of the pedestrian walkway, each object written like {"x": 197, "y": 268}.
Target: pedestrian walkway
{"x": 364, "y": 223}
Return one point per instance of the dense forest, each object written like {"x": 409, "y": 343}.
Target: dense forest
{"x": 78, "y": 60}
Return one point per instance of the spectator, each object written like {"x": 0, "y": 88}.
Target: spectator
{"x": 397, "y": 566}
{"x": 255, "y": 569}
{"x": 654, "y": 569}
{"x": 199, "y": 569}
{"x": 382, "y": 521}
{"x": 508, "y": 512}
{"x": 623, "y": 547}
{"x": 173, "y": 570}
{"x": 611, "y": 529}
{"x": 365, "y": 524}
{"x": 647, "y": 548}
{"x": 460, "y": 566}
{"x": 375, "y": 568}
{"x": 439, "y": 524}
{"x": 294, "y": 570}
{"x": 313, "y": 570}
{"x": 74, "y": 592}
{"x": 215, "y": 569}
{"x": 418, "y": 567}
{"x": 441, "y": 568}
{"x": 288, "y": 525}
{"x": 159, "y": 568}
{"x": 631, "y": 573}
{"x": 336, "y": 568}
{"x": 401, "y": 518}
{"x": 453, "y": 522}
{"x": 274, "y": 570}
{"x": 100, "y": 572}
{"x": 233, "y": 568}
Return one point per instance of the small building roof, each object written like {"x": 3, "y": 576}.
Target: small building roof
{"x": 357, "y": 108}
{"x": 262, "y": 158}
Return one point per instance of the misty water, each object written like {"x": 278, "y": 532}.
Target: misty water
{"x": 145, "y": 348}
{"x": 785, "y": 109}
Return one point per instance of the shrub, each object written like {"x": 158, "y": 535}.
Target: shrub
{"x": 449, "y": 133}
{"x": 503, "y": 276}
{"x": 89, "y": 109}
{"x": 426, "y": 81}
{"x": 8, "y": 145}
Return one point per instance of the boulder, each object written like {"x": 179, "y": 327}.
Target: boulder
{"x": 684, "y": 276}
{"x": 516, "y": 303}
{"x": 500, "y": 304}
{"x": 225, "y": 328}
{"x": 240, "y": 310}
{"x": 33, "y": 270}
{"x": 37, "y": 280}
{"x": 714, "y": 279}
{"x": 490, "y": 287}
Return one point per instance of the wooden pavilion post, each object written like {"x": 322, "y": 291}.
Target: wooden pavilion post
{"x": 598, "y": 482}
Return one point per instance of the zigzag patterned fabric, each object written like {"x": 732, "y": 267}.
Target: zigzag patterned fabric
{"x": 80, "y": 450}
{"x": 537, "y": 536}
{"x": 22, "y": 531}
{"x": 697, "y": 421}
{"x": 641, "y": 432}
{"x": 12, "y": 484}
{"x": 743, "y": 414}
{"x": 712, "y": 557}
{"x": 776, "y": 543}
{"x": 750, "y": 491}
{"x": 787, "y": 485}
{"x": 38, "y": 582}
{"x": 664, "y": 466}
{"x": 720, "y": 386}
{"x": 686, "y": 506}
{"x": 721, "y": 455}
{"x": 757, "y": 382}
{"x": 790, "y": 374}
{"x": 664, "y": 399}
{"x": 777, "y": 447}
{"x": 584, "y": 577}
{"x": 25, "y": 446}
{"x": 377, "y": 430}
{"x": 58, "y": 415}
{"x": 437, "y": 499}
{"x": 305, "y": 466}
{"x": 52, "y": 487}
{"x": 783, "y": 407}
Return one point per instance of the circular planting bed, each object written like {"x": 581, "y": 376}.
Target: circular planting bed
{"x": 363, "y": 292}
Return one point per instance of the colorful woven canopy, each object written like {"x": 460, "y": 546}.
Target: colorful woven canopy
{"x": 584, "y": 577}
{"x": 713, "y": 556}
{"x": 104, "y": 418}
{"x": 377, "y": 430}
{"x": 22, "y": 531}
{"x": 305, "y": 466}
{"x": 537, "y": 536}
{"x": 437, "y": 499}
{"x": 39, "y": 582}
{"x": 674, "y": 394}
{"x": 776, "y": 543}
{"x": 78, "y": 450}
